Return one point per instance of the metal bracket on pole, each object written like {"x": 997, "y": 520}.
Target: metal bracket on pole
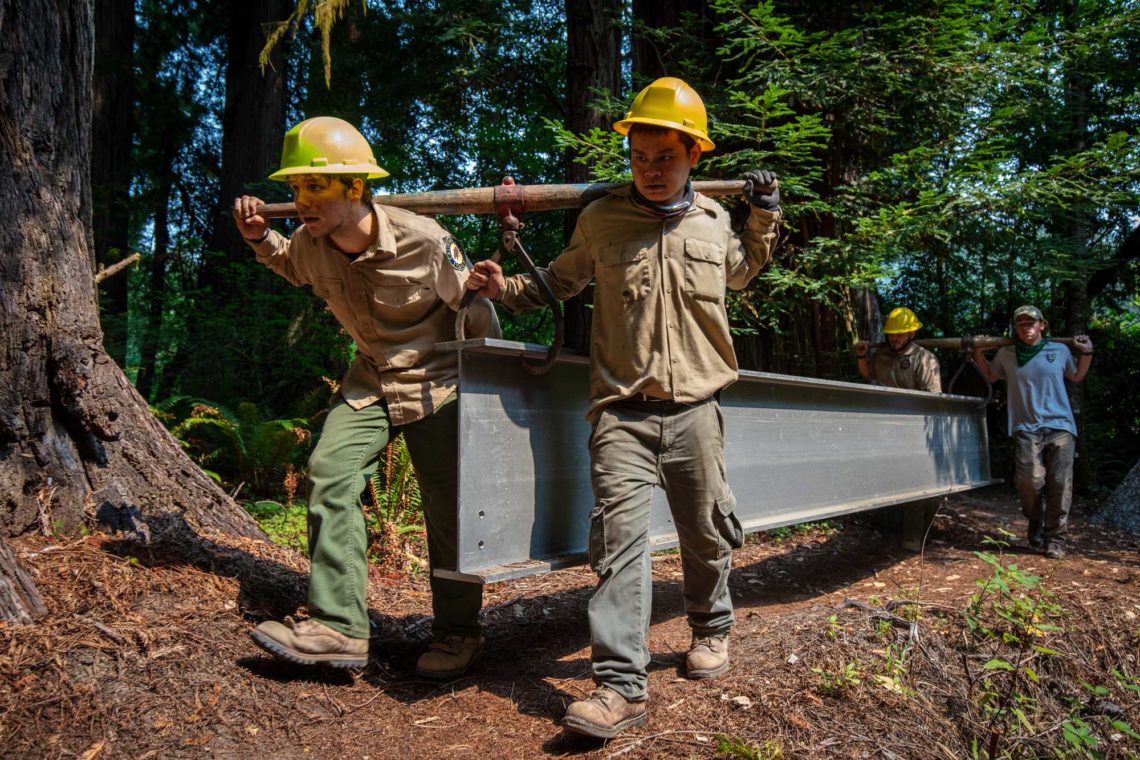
{"x": 510, "y": 203}
{"x": 969, "y": 343}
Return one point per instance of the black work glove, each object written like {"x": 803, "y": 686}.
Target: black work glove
{"x": 762, "y": 189}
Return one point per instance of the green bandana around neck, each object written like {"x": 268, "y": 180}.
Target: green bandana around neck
{"x": 1025, "y": 353}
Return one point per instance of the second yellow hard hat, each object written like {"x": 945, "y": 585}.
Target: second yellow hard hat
{"x": 901, "y": 320}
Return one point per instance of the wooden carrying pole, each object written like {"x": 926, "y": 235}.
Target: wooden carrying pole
{"x": 488, "y": 200}
{"x": 980, "y": 341}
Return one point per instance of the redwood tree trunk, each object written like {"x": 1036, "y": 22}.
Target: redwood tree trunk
{"x": 75, "y": 436}
{"x": 253, "y": 122}
{"x": 593, "y": 62}
{"x": 112, "y": 108}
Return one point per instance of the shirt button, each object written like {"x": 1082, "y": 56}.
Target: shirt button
{"x": 668, "y": 290}
{"x": 666, "y": 255}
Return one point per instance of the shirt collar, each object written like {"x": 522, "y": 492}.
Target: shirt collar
{"x": 385, "y": 238}
{"x": 708, "y": 205}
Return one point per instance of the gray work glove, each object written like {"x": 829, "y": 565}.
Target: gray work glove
{"x": 762, "y": 189}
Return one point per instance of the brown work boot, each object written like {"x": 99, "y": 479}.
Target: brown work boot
{"x": 449, "y": 657}
{"x": 708, "y": 656}
{"x": 310, "y": 642}
{"x": 604, "y": 714}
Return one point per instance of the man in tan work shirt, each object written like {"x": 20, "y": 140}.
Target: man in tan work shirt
{"x": 903, "y": 363}
{"x": 661, "y": 256}
{"x": 394, "y": 280}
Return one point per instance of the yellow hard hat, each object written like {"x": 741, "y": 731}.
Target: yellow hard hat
{"x": 669, "y": 102}
{"x": 901, "y": 320}
{"x": 326, "y": 145}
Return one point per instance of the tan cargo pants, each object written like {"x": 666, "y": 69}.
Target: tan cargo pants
{"x": 1043, "y": 476}
{"x": 634, "y": 447}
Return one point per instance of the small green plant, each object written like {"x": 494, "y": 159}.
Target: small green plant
{"x": 1010, "y": 618}
{"x": 834, "y": 683}
{"x": 285, "y": 524}
{"x": 1079, "y": 729}
{"x": 893, "y": 672}
{"x": 824, "y": 527}
{"x": 736, "y": 747}
{"x": 834, "y": 627}
{"x": 395, "y": 508}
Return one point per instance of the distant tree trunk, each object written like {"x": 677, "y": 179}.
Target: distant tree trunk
{"x": 253, "y": 122}
{"x": 593, "y": 63}
{"x": 75, "y": 436}
{"x": 1077, "y": 307}
{"x": 113, "y": 96}
{"x": 149, "y": 382}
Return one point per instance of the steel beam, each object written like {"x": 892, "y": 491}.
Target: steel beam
{"x": 797, "y": 450}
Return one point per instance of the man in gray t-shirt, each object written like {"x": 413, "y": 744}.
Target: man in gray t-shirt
{"x": 1041, "y": 422}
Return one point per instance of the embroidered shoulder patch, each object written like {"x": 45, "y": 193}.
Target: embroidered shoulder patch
{"x": 454, "y": 255}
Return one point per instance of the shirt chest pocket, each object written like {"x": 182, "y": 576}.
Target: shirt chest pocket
{"x": 624, "y": 268}
{"x": 704, "y": 270}
{"x": 328, "y": 288}
{"x": 399, "y": 295}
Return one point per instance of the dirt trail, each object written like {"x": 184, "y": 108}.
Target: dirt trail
{"x": 146, "y": 655}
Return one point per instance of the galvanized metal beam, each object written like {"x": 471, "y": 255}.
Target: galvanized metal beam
{"x": 797, "y": 450}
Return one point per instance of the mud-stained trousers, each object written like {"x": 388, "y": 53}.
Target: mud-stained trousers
{"x": 346, "y": 455}
{"x": 634, "y": 446}
{"x": 1043, "y": 476}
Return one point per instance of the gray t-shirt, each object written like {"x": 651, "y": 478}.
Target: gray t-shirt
{"x": 1037, "y": 395}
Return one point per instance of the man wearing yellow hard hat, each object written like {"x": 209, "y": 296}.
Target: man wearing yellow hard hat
{"x": 394, "y": 280}
{"x": 902, "y": 363}
{"x": 661, "y": 256}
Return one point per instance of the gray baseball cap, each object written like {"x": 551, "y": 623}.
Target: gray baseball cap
{"x": 1028, "y": 311}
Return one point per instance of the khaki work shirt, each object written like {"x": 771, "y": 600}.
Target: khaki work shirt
{"x": 397, "y": 300}
{"x": 914, "y": 368}
{"x": 659, "y": 325}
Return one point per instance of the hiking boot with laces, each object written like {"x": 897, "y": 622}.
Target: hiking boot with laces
{"x": 449, "y": 657}
{"x": 708, "y": 656}
{"x": 604, "y": 714}
{"x": 310, "y": 642}
{"x": 1055, "y": 550}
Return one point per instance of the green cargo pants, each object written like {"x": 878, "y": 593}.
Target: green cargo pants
{"x": 634, "y": 447}
{"x": 345, "y": 457}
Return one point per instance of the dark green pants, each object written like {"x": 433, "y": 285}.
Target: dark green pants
{"x": 346, "y": 456}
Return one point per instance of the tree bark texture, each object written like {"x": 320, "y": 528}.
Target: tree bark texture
{"x": 593, "y": 64}
{"x": 20, "y": 600}
{"x": 253, "y": 122}
{"x": 76, "y": 439}
{"x": 113, "y": 96}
